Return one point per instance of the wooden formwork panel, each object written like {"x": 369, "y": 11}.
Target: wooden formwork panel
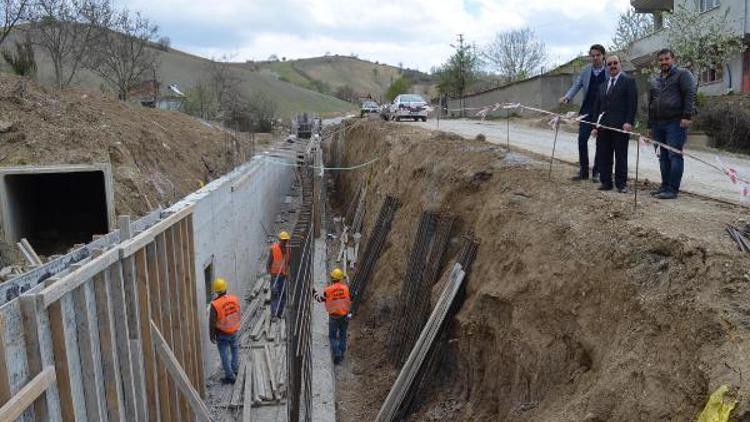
{"x": 116, "y": 339}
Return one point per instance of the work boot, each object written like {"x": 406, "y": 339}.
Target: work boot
{"x": 226, "y": 380}
{"x": 605, "y": 187}
{"x": 657, "y": 192}
{"x": 623, "y": 189}
{"x": 595, "y": 177}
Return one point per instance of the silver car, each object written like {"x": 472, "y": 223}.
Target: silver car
{"x": 408, "y": 106}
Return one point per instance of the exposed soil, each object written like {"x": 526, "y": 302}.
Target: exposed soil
{"x": 157, "y": 157}
{"x": 578, "y": 308}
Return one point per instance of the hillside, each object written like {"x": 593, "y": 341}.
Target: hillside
{"x": 327, "y": 74}
{"x": 186, "y": 70}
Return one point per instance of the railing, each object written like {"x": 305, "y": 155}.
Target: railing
{"x": 115, "y": 339}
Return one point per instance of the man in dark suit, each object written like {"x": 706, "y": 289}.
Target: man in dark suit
{"x": 615, "y": 106}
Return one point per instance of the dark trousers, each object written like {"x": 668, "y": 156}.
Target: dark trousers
{"x": 337, "y": 335}
{"x": 671, "y": 164}
{"x": 584, "y": 133}
{"x": 278, "y": 295}
{"x": 609, "y": 144}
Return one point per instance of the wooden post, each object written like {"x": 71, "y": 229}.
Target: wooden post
{"x": 103, "y": 286}
{"x": 122, "y": 340}
{"x": 18, "y": 404}
{"x": 134, "y": 323}
{"x": 91, "y": 362}
{"x": 173, "y": 290}
{"x": 67, "y": 360}
{"x": 152, "y": 260}
{"x": 149, "y": 365}
{"x": 166, "y": 275}
{"x": 39, "y": 354}
{"x": 201, "y": 387}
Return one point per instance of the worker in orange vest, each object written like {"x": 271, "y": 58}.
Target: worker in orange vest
{"x": 278, "y": 261}
{"x": 338, "y": 303}
{"x": 223, "y": 323}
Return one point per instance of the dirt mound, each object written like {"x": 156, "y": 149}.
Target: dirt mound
{"x": 578, "y": 308}
{"x": 157, "y": 156}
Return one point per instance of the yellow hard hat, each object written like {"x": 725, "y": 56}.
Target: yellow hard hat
{"x": 284, "y": 236}
{"x": 220, "y": 285}
{"x": 337, "y": 274}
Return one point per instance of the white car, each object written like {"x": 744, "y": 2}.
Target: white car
{"x": 407, "y": 106}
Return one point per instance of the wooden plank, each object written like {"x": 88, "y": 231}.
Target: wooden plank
{"x": 192, "y": 308}
{"x": 39, "y": 353}
{"x": 152, "y": 261}
{"x": 174, "y": 290}
{"x": 74, "y": 279}
{"x": 18, "y": 404}
{"x": 165, "y": 276}
{"x": 103, "y": 286}
{"x": 149, "y": 364}
{"x": 200, "y": 411}
{"x": 187, "y": 308}
{"x": 91, "y": 361}
{"x": 239, "y": 385}
{"x": 67, "y": 362}
{"x": 133, "y": 245}
{"x": 122, "y": 341}
{"x": 247, "y": 400}
{"x": 198, "y": 303}
{"x": 134, "y": 324}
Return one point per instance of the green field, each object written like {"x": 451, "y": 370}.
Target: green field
{"x": 332, "y": 72}
{"x": 186, "y": 70}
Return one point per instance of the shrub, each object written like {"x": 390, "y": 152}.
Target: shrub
{"x": 728, "y": 125}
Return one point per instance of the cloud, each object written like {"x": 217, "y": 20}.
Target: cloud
{"x": 417, "y": 33}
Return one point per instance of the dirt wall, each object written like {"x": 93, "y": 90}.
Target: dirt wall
{"x": 577, "y": 308}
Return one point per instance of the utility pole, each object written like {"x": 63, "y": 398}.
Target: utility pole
{"x": 461, "y": 80}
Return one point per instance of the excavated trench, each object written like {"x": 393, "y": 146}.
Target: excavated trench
{"x": 578, "y": 307}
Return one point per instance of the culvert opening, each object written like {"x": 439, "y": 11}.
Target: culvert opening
{"x": 55, "y": 210}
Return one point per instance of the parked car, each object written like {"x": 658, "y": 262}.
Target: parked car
{"x": 369, "y": 107}
{"x": 407, "y": 106}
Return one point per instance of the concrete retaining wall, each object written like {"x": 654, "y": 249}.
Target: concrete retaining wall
{"x": 228, "y": 220}
{"x": 542, "y": 91}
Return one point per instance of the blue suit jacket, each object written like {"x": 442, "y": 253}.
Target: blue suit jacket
{"x": 582, "y": 82}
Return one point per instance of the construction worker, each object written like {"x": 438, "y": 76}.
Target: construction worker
{"x": 338, "y": 303}
{"x": 277, "y": 267}
{"x": 223, "y": 323}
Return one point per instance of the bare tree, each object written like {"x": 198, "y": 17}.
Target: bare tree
{"x": 630, "y": 27}
{"x": 224, "y": 81}
{"x": 124, "y": 54}
{"x": 67, "y": 29}
{"x": 12, "y": 12}
{"x": 515, "y": 54}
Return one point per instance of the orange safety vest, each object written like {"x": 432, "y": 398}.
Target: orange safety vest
{"x": 338, "y": 300}
{"x": 227, "y": 309}
{"x": 278, "y": 262}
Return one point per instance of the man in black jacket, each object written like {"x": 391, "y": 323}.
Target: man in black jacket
{"x": 615, "y": 107}
{"x": 671, "y": 97}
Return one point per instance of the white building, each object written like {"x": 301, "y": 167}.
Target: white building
{"x": 731, "y": 76}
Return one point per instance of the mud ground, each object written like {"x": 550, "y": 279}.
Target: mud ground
{"x": 579, "y": 307}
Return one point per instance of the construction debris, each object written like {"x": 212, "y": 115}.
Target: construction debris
{"x": 740, "y": 237}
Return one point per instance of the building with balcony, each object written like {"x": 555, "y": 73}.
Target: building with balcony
{"x": 732, "y": 76}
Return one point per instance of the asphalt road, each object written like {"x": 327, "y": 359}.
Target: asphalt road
{"x": 698, "y": 178}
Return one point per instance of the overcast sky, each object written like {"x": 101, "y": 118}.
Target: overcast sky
{"x": 417, "y": 33}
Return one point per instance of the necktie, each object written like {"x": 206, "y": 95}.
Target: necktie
{"x": 611, "y": 84}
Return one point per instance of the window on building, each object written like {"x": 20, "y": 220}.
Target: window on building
{"x": 706, "y": 5}
{"x": 710, "y": 76}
